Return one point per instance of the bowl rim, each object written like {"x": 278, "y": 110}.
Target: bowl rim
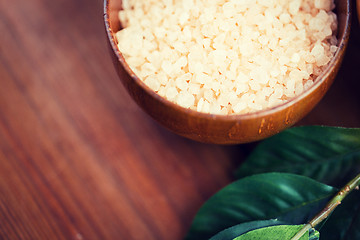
{"x": 234, "y": 117}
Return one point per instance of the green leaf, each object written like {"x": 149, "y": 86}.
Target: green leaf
{"x": 281, "y": 232}
{"x": 326, "y": 154}
{"x": 287, "y": 197}
{"x": 344, "y": 223}
{"x": 237, "y": 230}
{"x": 240, "y": 229}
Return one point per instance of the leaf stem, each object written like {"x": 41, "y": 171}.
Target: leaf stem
{"x": 330, "y": 207}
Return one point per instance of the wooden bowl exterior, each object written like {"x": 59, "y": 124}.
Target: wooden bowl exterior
{"x": 219, "y": 129}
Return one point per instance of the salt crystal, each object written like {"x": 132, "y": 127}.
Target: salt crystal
{"x": 185, "y": 99}
{"x": 171, "y": 93}
{"x": 227, "y": 57}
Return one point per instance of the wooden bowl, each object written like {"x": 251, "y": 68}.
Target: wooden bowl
{"x": 221, "y": 129}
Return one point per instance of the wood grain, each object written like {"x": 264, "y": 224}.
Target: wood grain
{"x": 79, "y": 160}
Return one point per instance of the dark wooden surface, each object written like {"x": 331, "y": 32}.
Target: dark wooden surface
{"x": 79, "y": 160}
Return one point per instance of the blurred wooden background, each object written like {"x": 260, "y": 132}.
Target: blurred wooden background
{"x": 79, "y": 160}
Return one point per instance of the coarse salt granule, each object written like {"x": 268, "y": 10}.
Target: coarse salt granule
{"x": 228, "y": 56}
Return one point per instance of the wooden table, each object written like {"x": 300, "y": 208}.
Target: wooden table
{"x": 79, "y": 160}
